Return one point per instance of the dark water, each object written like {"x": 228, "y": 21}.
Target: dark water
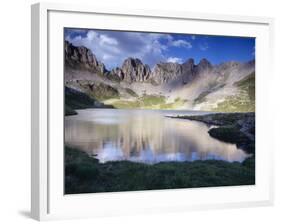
{"x": 145, "y": 136}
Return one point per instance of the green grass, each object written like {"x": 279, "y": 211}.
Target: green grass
{"x": 144, "y": 102}
{"x": 148, "y": 102}
{"x": 78, "y": 100}
{"x": 178, "y": 103}
{"x": 102, "y": 91}
{"x": 237, "y": 103}
{"x": 178, "y": 99}
{"x": 232, "y": 134}
{"x": 69, "y": 111}
{"x": 84, "y": 174}
{"x": 248, "y": 85}
{"x": 151, "y": 100}
{"x": 229, "y": 134}
{"x": 244, "y": 101}
{"x": 126, "y": 104}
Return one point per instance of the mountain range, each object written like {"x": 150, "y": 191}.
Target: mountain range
{"x": 227, "y": 87}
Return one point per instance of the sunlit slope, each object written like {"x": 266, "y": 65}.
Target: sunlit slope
{"x": 226, "y": 87}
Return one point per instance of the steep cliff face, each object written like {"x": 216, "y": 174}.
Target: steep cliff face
{"x": 135, "y": 71}
{"x": 184, "y": 73}
{"x": 117, "y": 72}
{"x": 204, "y": 66}
{"x": 188, "y": 71}
{"x": 82, "y": 58}
{"x": 201, "y": 86}
{"x": 165, "y": 72}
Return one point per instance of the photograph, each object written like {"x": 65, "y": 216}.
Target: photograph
{"x": 157, "y": 110}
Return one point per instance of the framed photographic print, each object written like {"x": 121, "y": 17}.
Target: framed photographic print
{"x": 148, "y": 111}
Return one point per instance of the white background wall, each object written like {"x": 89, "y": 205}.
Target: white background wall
{"x": 15, "y": 110}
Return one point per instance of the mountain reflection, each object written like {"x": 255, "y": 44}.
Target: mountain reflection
{"x": 144, "y": 136}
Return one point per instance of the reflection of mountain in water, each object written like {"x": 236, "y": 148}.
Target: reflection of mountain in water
{"x": 144, "y": 136}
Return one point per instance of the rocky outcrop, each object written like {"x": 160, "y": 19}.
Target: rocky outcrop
{"x": 165, "y": 72}
{"x": 117, "y": 72}
{"x": 132, "y": 69}
{"x": 188, "y": 71}
{"x": 185, "y": 73}
{"x": 82, "y": 58}
{"x": 135, "y": 71}
{"x": 204, "y": 66}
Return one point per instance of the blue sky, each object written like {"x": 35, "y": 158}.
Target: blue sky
{"x": 113, "y": 47}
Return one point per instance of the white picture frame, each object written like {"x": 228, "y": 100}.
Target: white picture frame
{"x": 48, "y": 201}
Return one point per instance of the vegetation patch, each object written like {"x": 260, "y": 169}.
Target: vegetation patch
{"x": 203, "y": 96}
{"x": 151, "y": 100}
{"x": 244, "y": 100}
{"x": 147, "y": 102}
{"x": 131, "y": 92}
{"x": 84, "y": 174}
{"x": 78, "y": 100}
{"x": 178, "y": 103}
{"x": 248, "y": 84}
{"x": 235, "y": 128}
{"x": 229, "y": 134}
{"x": 102, "y": 91}
{"x": 69, "y": 111}
{"x": 238, "y": 103}
{"x": 126, "y": 104}
{"x": 232, "y": 134}
{"x": 221, "y": 118}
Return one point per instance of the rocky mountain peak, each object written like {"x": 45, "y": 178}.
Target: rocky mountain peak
{"x": 134, "y": 70}
{"x": 165, "y": 71}
{"x": 188, "y": 65}
{"x": 251, "y": 63}
{"x": 227, "y": 65}
{"x": 132, "y": 61}
{"x": 190, "y": 61}
{"x": 188, "y": 71}
{"x": 204, "y": 65}
{"x": 117, "y": 72}
{"x": 80, "y": 57}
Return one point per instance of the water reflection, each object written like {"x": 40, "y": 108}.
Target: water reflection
{"x": 144, "y": 136}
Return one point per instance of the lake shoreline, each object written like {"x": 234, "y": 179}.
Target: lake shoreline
{"x": 85, "y": 174}
{"x": 145, "y": 136}
{"x": 235, "y": 128}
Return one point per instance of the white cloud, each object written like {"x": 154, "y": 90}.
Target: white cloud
{"x": 181, "y": 43}
{"x": 108, "y": 40}
{"x": 175, "y": 60}
{"x": 105, "y": 47}
{"x": 112, "y": 48}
